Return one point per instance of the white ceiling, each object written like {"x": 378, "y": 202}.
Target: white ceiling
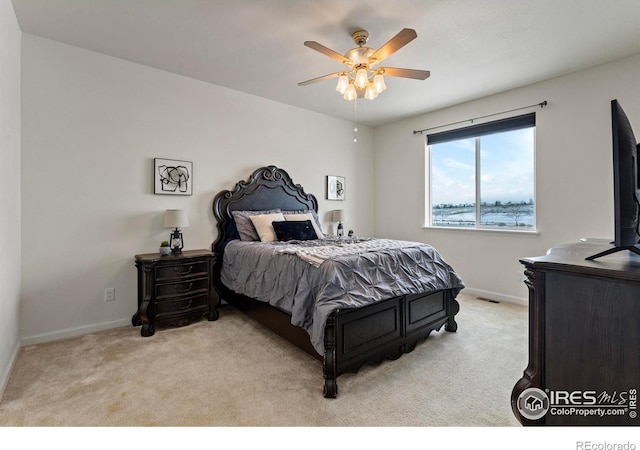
{"x": 473, "y": 48}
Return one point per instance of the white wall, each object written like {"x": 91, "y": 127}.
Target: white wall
{"x": 10, "y": 37}
{"x": 92, "y": 125}
{"x": 574, "y": 191}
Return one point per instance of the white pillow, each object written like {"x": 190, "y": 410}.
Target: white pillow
{"x": 308, "y": 216}
{"x": 262, "y": 224}
{"x": 246, "y": 230}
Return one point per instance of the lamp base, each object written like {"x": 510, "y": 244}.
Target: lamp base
{"x": 176, "y": 242}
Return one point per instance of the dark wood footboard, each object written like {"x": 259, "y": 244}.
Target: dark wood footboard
{"x": 359, "y": 336}
{"x": 383, "y": 330}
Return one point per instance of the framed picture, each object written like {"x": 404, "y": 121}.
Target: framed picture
{"x": 336, "y": 188}
{"x": 172, "y": 177}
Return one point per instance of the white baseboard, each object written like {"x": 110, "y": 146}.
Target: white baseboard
{"x": 488, "y": 295}
{"x": 4, "y": 380}
{"x": 73, "y": 332}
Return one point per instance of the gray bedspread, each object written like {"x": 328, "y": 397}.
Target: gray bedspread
{"x": 274, "y": 273}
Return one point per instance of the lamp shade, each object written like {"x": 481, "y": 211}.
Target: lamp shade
{"x": 378, "y": 83}
{"x": 370, "y": 93}
{"x": 175, "y": 218}
{"x": 361, "y": 78}
{"x": 343, "y": 82}
{"x": 350, "y": 93}
{"x": 338, "y": 215}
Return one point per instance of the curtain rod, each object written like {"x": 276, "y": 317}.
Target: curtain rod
{"x": 541, "y": 105}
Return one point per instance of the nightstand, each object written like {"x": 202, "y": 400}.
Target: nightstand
{"x": 174, "y": 290}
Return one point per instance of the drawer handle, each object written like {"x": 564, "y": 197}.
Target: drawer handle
{"x": 185, "y": 272}
{"x": 187, "y": 289}
{"x": 187, "y": 306}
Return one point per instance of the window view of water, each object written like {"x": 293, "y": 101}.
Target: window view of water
{"x": 489, "y": 179}
{"x": 516, "y": 216}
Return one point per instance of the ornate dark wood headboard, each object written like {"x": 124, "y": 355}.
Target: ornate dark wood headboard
{"x": 267, "y": 188}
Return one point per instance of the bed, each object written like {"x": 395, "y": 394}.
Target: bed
{"x": 316, "y": 305}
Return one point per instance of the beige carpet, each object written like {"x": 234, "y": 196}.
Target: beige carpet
{"x": 233, "y": 372}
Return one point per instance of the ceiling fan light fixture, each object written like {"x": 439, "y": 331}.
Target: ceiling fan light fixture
{"x": 362, "y": 78}
{"x": 343, "y": 82}
{"x": 370, "y": 92}
{"x": 378, "y": 83}
{"x": 350, "y": 93}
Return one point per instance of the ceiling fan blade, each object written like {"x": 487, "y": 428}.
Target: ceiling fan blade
{"x": 404, "y": 73}
{"x": 324, "y": 77}
{"x": 401, "y": 39}
{"x": 327, "y": 51}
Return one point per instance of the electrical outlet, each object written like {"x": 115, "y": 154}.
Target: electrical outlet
{"x": 109, "y": 294}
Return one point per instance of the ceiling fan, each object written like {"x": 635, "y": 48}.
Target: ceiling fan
{"x": 363, "y": 79}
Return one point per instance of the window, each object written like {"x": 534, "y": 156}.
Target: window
{"x": 482, "y": 176}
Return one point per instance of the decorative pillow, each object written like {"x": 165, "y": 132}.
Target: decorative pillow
{"x": 305, "y": 215}
{"x": 301, "y": 230}
{"x": 264, "y": 228}
{"x": 245, "y": 227}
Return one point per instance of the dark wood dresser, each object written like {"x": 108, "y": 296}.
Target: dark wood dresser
{"x": 174, "y": 290}
{"x": 584, "y": 338}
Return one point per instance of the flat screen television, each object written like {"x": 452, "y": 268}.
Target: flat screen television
{"x": 626, "y": 185}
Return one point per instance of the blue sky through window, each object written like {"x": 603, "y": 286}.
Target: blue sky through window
{"x": 506, "y": 169}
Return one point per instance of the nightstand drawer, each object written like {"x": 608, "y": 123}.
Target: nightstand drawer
{"x": 200, "y": 268}
{"x": 183, "y": 305}
{"x": 181, "y": 288}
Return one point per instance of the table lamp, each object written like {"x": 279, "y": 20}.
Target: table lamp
{"x": 338, "y": 216}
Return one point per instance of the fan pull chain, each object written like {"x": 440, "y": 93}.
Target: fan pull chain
{"x": 355, "y": 120}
